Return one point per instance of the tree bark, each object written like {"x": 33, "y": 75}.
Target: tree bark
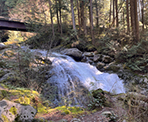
{"x": 73, "y": 17}
{"x": 123, "y": 19}
{"x": 97, "y": 15}
{"x": 82, "y": 4}
{"x": 116, "y": 4}
{"x": 113, "y": 13}
{"x": 134, "y": 20}
{"x": 91, "y": 22}
{"x": 142, "y": 11}
{"x": 137, "y": 35}
{"x": 132, "y": 16}
{"x": 79, "y": 21}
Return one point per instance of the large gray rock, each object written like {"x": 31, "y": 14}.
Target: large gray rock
{"x": 9, "y": 111}
{"x": 113, "y": 67}
{"x": 2, "y": 46}
{"x": 97, "y": 57}
{"x": 73, "y": 52}
{"x": 88, "y": 54}
{"x": 9, "y": 77}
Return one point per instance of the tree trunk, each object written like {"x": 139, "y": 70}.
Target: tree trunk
{"x": 137, "y": 35}
{"x": 134, "y": 20}
{"x": 97, "y": 16}
{"x": 132, "y": 16}
{"x": 57, "y": 13}
{"x": 142, "y": 11}
{"x": 91, "y": 22}
{"x": 127, "y": 17}
{"x": 83, "y": 16}
{"x": 60, "y": 7}
{"x": 73, "y": 16}
{"x": 116, "y": 4}
{"x": 79, "y": 21}
{"x": 110, "y": 11}
{"x": 51, "y": 18}
{"x": 82, "y": 12}
{"x": 123, "y": 19}
{"x": 85, "y": 20}
{"x": 113, "y": 13}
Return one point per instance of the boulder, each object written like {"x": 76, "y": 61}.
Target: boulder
{"x": 73, "y": 52}
{"x": 2, "y": 46}
{"x": 10, "y": 111}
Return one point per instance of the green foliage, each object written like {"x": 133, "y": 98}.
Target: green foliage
{"x": 41, "y": 108}
{"x": 136, "y": 57}
{"x": 4, "y": 93}
{"x": 10, "y": 3}
{"x": 2, "y": 64}
{"x": 98, "y": 100}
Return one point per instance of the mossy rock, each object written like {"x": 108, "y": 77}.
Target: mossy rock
{"x": 39, "y": 120}
{"x": 67, "y": 112}
{"x": 41, "y": 108}
{"x": 4, "y": 118}
{"x": 13, "y": 110}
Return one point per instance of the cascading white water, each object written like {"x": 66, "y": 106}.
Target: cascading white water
{"x": 71, "y": 79}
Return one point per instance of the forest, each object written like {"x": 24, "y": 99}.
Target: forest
{"x": 110, "y": 36}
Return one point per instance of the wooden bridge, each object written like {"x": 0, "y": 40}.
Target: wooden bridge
{"x": 16, "y": 25}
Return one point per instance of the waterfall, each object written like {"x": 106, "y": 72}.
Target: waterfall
{"x": 73, "y": 80}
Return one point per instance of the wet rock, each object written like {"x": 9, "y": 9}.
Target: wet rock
{"x": 63, "y": 120}
{"x": 88, "y": 54}
{"x": 84, "y": 59}
{"x": 100, "y": 65}
{"x": 73, "y": 52}
{"x": 75, "y": 120}
{"x": 2, "y": 46}
{"x": 107, "y": 59}
{"x": 43, "y": 60}
{"x": 111, "y": 115}
{"x": 97, "y": 57}
{"x": 9, "y": 111}
{"x": 113, "y": 67}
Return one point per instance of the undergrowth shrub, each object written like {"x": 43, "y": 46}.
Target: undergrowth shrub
{"x": 136, "y": 57}
{"x": 98, "y": 100}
